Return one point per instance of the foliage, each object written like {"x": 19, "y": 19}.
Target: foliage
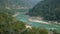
{"x": 10, "y": 24}
{"x": 35, "y": 31}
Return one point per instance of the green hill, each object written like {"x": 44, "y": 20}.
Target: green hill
{"x": 48, "y": 9}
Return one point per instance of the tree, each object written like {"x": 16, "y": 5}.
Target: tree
{"x": 35, "y": 31}
{"x": 9, "y": 24}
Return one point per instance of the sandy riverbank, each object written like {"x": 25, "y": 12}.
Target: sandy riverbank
{"x": 39, "y": 21}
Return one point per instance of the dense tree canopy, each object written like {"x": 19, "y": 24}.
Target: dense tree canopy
{"x": 35, "y": 31}
{"x": 10, "y": 24}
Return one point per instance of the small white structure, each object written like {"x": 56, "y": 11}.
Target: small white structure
{"x": 50, "y": 32}
{"x": 28, "y": 26}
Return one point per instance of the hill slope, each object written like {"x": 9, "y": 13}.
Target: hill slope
{"x": 48, "y": 9}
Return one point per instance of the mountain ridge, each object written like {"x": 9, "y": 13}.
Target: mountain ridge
{"x": 48, "y": 9}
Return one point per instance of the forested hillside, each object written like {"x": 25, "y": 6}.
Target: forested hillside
{"x": 9, "y": 25}
{"x": 48, "y": 9}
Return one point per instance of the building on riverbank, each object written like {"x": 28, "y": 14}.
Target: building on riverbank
{"x": 28, "y": 26}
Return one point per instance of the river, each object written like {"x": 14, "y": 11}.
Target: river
{"x": 23, "y": 17}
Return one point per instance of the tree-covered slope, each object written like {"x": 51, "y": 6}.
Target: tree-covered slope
{"x": 9, "y": 24}
{"x": 48, "y": 9}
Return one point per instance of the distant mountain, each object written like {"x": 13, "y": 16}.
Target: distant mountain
{"x": 28, "y": 3}
{"x": 24, "y": 2}
{"x": 48, "y": 9}
{"x": 11, "y": 6}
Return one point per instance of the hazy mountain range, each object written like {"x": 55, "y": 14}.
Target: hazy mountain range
{"x": 13, "y": 6}
{"x": 20, "y": 3}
